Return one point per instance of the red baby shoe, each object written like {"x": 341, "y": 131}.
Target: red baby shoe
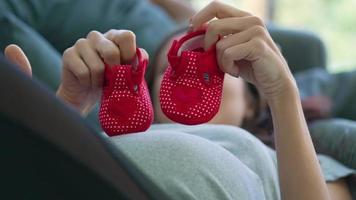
{"x": 125, "y": 103}
{"x": 192, "y": 85}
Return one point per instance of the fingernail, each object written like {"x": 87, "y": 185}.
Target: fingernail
{"x": 190, "y": 28}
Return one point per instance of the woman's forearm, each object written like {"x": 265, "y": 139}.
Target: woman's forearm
{"x": 299, "y": 171}
{"x": 177, "y": 9}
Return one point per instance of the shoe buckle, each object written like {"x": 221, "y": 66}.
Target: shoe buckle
{"x": 206, "y": 77}
{"x": 135, "y": 88}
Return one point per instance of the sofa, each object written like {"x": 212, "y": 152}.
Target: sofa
{"x": 48, "y": 29}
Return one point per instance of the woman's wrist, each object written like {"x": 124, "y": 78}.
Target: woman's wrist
{"x": 64, "y": 97}
{"x": 288, "y": 93}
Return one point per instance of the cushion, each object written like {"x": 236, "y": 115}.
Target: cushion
{"x": 336, "y": 138}
{"x": 45, "y": 60}
{"x": 318, "y": 81}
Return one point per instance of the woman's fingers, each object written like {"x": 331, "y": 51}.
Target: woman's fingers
{"x": 231, "y": 21}
{"x": 243, "y": 37}
{"x": 74, "y": 64}
{"x": 115, "y": 46}
{"x": 218, "y": 10}
{"x": 126, "y": 41}
{"x": 84, "y": 59}
{"x": 250, "y": 51}
{"x": 92, "y": 61}
{"x": 228, "y": 26}
{"x": 106, "y": 49}
{"x": 144, "y": 52}
{"x": 15, "y": 54}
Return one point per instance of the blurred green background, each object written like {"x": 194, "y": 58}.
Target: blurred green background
{"x": 333, "y": 20}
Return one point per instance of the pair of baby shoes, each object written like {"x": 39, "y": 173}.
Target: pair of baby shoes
{"x": 190, "y": 91}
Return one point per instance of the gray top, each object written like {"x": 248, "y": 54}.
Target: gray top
{"x": 210, "y": 162}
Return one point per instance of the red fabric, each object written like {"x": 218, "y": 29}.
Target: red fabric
{"x": 125, "y": 103}
{"x": 192, "y": 85}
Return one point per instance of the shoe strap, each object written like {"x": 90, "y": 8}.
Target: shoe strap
{"x": 206, "y": 60}
{"x": 136, "y": 69}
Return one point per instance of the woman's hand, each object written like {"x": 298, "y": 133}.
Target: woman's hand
{"x": 83, "y": 66}
{"x": 15, "y": 54}
{"x": 245, "y": 49}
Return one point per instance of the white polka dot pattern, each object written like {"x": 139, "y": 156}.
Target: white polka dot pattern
{"x": 125, "y": 107}
{"x": 185, "y": 95}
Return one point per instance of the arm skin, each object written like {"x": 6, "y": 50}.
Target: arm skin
{"x": 299, "y": 171}
{"x": 247, "y": 50}
{"x": 179, "y": 10}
